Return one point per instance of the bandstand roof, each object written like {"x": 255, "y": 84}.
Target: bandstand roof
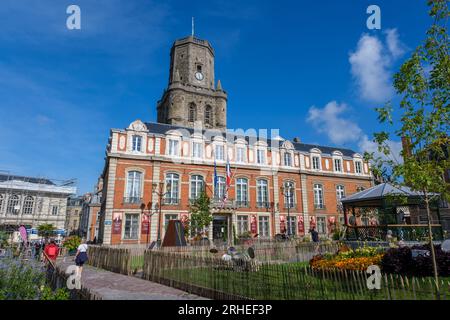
{"x": 378, "y": 193}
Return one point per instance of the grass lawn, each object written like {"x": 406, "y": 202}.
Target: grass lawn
{"x": 291, "y": 281}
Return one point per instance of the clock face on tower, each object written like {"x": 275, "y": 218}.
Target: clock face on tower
{"x": 199, "y": 76}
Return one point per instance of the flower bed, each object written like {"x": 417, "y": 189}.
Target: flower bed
{"x": 347, "y": 259}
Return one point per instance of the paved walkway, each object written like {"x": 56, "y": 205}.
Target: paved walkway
{"x": 114, "y": 286}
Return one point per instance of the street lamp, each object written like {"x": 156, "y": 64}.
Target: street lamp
{"x": 158, "y": 189}
{"x": 286, "y": 192}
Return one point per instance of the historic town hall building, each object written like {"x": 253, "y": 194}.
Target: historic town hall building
{"x": 153, "y": 171}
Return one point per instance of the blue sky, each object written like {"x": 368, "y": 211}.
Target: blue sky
{"x": 309, "y": 68}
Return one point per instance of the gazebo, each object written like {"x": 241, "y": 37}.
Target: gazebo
{"x": 369, "y": 214}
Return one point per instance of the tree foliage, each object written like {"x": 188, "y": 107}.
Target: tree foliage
{"x": 200, "y": 213}
{"x": 46, "y": 230}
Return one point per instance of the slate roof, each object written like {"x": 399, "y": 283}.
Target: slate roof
{"x": 162, "y": 128}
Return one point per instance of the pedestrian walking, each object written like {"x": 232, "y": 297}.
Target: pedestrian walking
{"x": 315, "y": 238}
{"x": 81, "y": 256}
{"x": 51, "y": 251}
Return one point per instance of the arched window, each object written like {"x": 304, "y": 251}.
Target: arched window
{"x": 196, "y": 186}
{"x": 172, "y": 186}
{"x": 208, "y": 115}
{"x": 192, "y": 112}
{"x": 28, "y": 205}
{"x": 289, "y": 194}
{"x": 262, "y": 193}
{"x": 134, "y": 186}
{"x": 13, "y": 205}
{"x": 242, "y": 192}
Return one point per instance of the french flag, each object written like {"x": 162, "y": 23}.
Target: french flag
{"x": 228, "y": 179}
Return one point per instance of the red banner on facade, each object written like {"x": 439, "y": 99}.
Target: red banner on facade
{"x": 282, "y": 224}
{"x": 253, "y": 224}
{"x": 117, "y": 223}
{"x": 145, "y": 227}
{"x": 301, "y": 225}
{"x": 312, "y": 222}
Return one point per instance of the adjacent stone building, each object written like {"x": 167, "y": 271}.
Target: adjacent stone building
{"x": 31, "y": 201}
{"x": 277, "y": 186}
{"x": 74, "y": 206}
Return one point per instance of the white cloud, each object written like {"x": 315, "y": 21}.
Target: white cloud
{"x": 329, "y": 120}
{"x": 371, "y": 65}
{"x": 368, "y": 145}
{"x": 395, "y": 47}
{"x": 332, "y": 121}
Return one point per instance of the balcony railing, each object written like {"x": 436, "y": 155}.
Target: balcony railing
{"x": 171, "y": 201}
{"x": 241, "y": 203}
{"x": 319, "y": 206}
{"x": 263, "y": 204}
{"x": 132, "y": 200}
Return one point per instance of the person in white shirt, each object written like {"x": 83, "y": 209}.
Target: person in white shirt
{"x": 81, "y": 257}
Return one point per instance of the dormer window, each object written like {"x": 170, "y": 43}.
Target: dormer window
{"x": 337, "y": 165}
{"x": 197, "y": 149}
{"x": 173, "y": 147}
{"x": 288, "y": 159}
{"x": 240, "y": 154}
{"x": 219, "y": 152}
{"x": 316, "y": 163}
{"x": 137, "y": 143}
{"x": 358, "y": 167}
{"x": 260, "y": 156}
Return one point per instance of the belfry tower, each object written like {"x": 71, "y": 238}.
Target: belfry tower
{"x": 192, "y": 94}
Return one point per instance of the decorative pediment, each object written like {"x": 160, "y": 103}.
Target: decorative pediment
{"x": 138, "y": 125}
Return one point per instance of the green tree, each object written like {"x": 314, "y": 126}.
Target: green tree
{"x": 200, "y": 214}
{"x": 46, "y": 230}
{"x": 423, "y": 84}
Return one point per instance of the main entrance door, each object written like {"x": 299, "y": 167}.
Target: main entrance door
{"x": 220, "y": 228}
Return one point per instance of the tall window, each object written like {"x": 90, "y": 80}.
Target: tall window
{"x": 318, "y": 196}
{"x": 263, "y": 226}
{"x": 289, "y": 194}
{"x": 340, "y": 192}
{"x": 28, "y": 205}
{"x": 219, "y": 154}
{"x": 172, "y": 185}
{"x": 208, "y": 115}
{"x": 196, "y": 186}
{"x": 288, "y": 159}
{"x": 321, "y": 225}
{"x": 219, "y": 191}
{"x": 240, "y": 154}
{"x": 134, "y": 184}
{"x": 358, "y": 167}
{"x": 292, "y": 225}
{"x": 55, "y": 210}
{"x": 262, "y": 193}
{"x": 338, "y": 165}
{"x": 242, "y": 192}
{"x": 137, "y": 143}
{"x": 1, "y": 202}
{"x": 197, "y": 149}
{"x": 131, "y": 226}
{"x": 260, "y": 156}
{"x": 192, "y": 112}
{"x": 173, "y": 147}
{"x": 242, "y": 224}
{"x": 13, "y": 204}
{"x": 316, "y": 163}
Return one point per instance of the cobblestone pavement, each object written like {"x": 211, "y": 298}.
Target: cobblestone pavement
{"x": 114, "y": 286}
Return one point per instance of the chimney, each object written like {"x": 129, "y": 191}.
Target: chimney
{"x": 297, "y": 140}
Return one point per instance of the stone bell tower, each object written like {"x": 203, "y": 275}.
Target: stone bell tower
{"x": 192, "y": 94}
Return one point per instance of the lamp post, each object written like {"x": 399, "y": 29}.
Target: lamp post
{"x": 148, "y": 215}
{"x": 158, "y": 189}
{"x": 286, "y": 192}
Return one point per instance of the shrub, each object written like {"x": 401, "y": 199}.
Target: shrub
{"x": 72, "y": 243}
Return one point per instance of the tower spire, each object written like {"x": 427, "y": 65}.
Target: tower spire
{"x": 192, "y": 26}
